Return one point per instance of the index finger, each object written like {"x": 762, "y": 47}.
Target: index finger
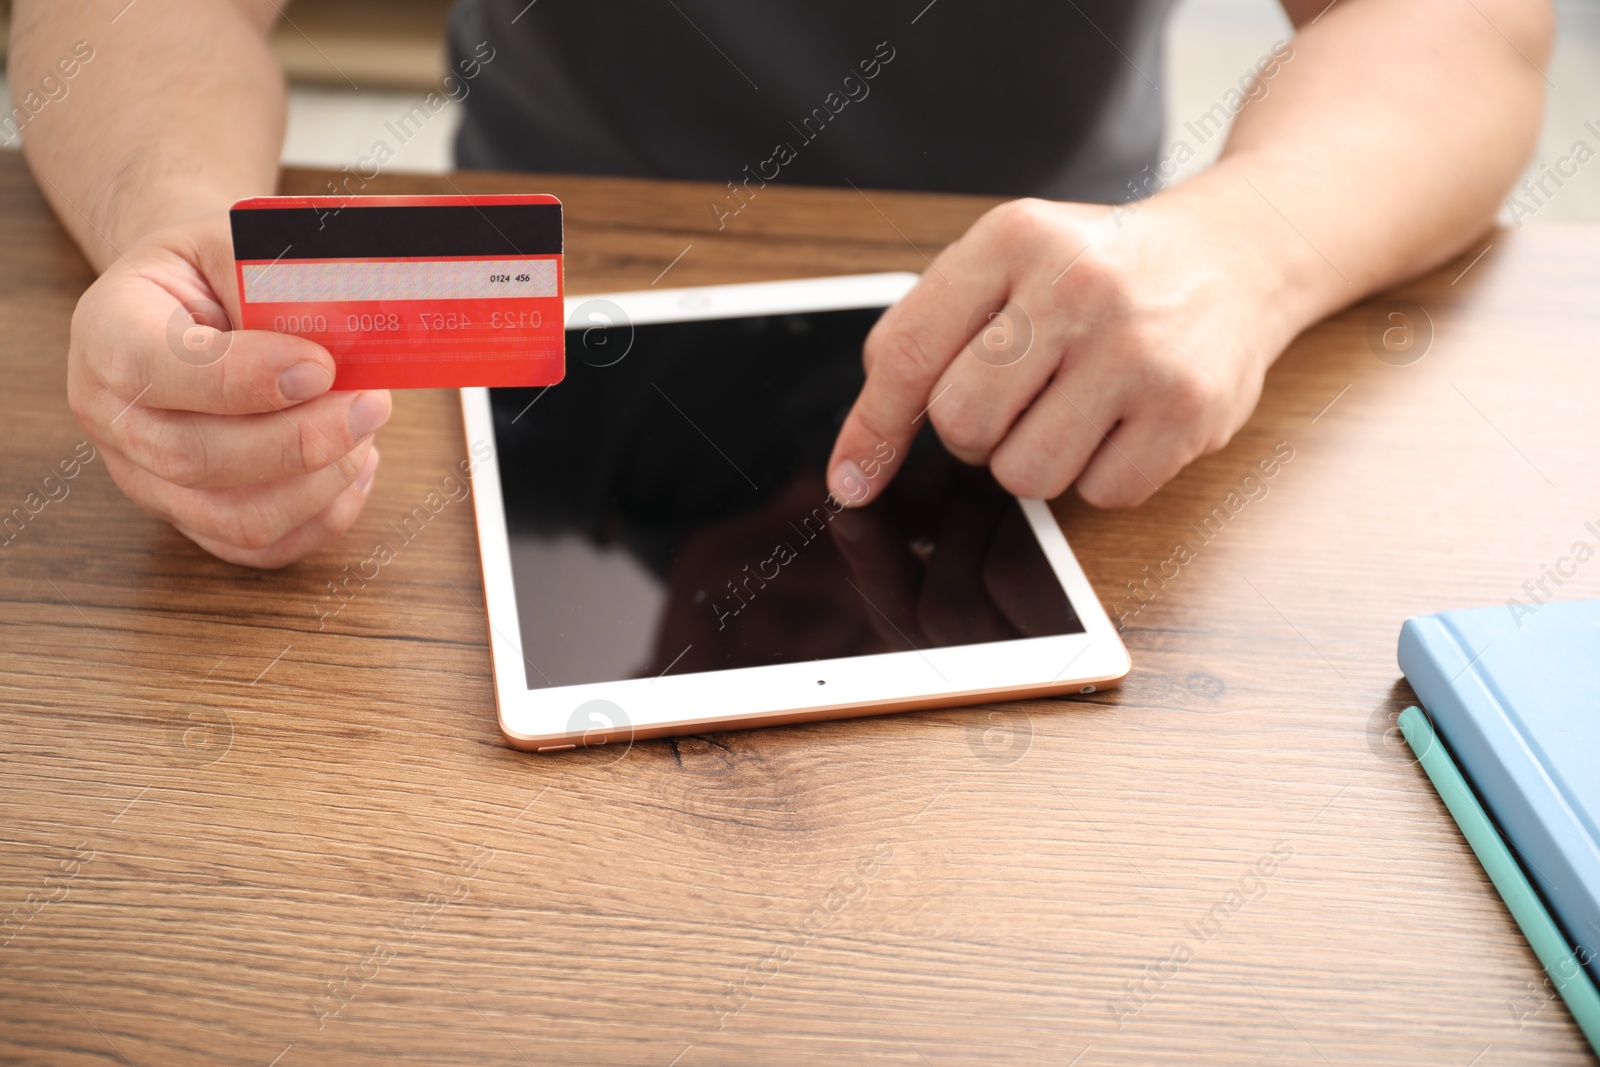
{"x": 905, "y": 354}
{"x": 143, "y": 344}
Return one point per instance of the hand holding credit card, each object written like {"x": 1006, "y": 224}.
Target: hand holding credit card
{"x": 409, "y": 292}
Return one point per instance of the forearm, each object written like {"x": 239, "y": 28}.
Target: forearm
{"x": 1383, "y": 147}
{"x": 179, "y": 113}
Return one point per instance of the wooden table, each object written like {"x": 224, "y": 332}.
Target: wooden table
{"x": 234, "y": 838}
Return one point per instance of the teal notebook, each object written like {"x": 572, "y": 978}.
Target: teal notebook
{"x": 1555, "y": 952}
{"x": 1514, "y": 694}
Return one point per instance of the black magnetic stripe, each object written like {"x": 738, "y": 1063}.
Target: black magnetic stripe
{"x": 373, "y": 232}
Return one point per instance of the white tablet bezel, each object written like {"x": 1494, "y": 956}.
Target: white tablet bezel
{"x": 543, "y": 719}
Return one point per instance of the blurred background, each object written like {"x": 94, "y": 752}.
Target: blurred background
{"x": 356, "y": 64}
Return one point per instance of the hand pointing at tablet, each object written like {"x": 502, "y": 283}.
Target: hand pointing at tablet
{"x": 1061, "y": 345}
{"x": 1071, "y": 344}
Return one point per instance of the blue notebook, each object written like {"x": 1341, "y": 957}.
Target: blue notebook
{"x": 1514, "y": 692}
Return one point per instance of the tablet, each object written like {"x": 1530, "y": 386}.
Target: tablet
{"x": 661, "y": 554}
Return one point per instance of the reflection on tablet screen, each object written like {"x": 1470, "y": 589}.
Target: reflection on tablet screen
{"x": 667, "y": 511}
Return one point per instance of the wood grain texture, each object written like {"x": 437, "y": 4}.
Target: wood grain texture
{"x": 311, "y": 844}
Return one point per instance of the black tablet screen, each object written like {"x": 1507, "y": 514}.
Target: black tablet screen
{"x": 667, "y": 512}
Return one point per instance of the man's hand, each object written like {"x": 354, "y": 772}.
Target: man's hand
{"x": 231, "y": 437}
{"x": 1062, "y": 344}
{"x": 1150, "y": 348}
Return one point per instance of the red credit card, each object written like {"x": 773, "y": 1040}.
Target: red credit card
{"x": 409, "y": 292}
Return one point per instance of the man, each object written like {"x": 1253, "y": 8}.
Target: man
{"x": 1381, "y": 145}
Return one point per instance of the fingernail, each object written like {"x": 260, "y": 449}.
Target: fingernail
{"x": 847, "y": 483}
{"x": 368, "y": 470}
{"x": 367, "y": 414}
{"x": 304, "y": 381}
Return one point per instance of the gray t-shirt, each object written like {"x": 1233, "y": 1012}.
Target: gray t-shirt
{"x": 1006, "y": 97}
